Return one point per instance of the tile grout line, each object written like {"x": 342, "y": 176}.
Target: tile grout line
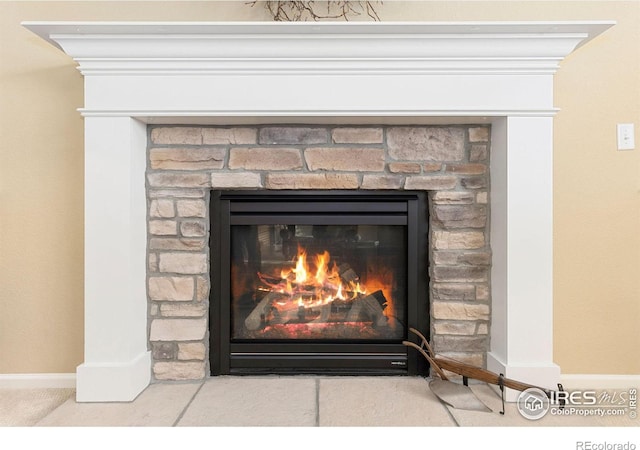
{"x": 446, "y": 407}
{"x": 184, "y": 410}
{"x": 450, "y": 414}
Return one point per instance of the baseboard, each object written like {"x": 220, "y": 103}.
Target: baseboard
{"x": 599, "y": 381}
{"x": 38, "y": 381}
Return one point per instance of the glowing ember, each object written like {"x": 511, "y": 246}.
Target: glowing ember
{"x": 337, "y": 330}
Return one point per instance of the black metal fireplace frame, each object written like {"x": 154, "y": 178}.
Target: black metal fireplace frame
{"x": 334, "y": 358}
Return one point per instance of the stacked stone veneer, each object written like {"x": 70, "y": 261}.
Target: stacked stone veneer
{"x": 186, "y": 163}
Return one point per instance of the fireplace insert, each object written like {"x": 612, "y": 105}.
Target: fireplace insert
{"x": 317, "y": 281}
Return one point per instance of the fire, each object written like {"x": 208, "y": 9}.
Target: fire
{"x": 317, "y": 283}
{"x": 322, "y": 262}
{"x": 301, "y": 268}
{"x": 306, "y": 286}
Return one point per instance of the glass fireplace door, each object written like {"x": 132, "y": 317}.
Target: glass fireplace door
{"x": 313, "y": 282}
{"x": 323, "y": 281}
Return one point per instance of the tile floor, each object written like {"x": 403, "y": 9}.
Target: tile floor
{"x": 281, "y": 413}
{"x": 273, "y": 401}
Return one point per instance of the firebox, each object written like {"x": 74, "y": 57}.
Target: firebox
{"x": 317, "y": 281}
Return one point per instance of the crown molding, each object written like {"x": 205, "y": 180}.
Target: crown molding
{"x": 311, "y": 49}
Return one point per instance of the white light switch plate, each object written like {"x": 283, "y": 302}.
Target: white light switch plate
{"x": 626, "y": 139}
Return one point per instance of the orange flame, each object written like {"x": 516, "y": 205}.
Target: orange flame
{"x": 301, "y": 268}
{"x": 320, "y": 284}
{"x": 322, "y": 262}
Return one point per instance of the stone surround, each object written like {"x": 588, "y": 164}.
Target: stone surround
{"x": 186, "y": 162}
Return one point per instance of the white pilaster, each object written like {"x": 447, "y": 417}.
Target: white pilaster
{"x": 117, "y": 363}
{"x": 522, "y": 246}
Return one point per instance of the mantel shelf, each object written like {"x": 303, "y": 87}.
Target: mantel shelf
{"x": 236, "y": 48}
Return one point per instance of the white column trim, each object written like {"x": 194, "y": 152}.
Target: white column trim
{"x": 522, "y": 246}
{"x": 117, "y": 362}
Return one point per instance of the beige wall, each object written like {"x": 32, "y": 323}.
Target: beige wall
{"x": 597, "y": 209}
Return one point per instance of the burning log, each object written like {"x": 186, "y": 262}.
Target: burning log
{"x": 325, "y": 312}
{"x": 280, "y": 317}
{"x": 257, "y": 316}
{"x": 269, "y": 280}
{"x": 300, "y": 295}
{"x": 347, "y": 274}
{"x": 291, "y": 311}
{"x": 371, "y": 306}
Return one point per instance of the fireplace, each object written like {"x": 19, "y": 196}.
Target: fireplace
{"x": 317, "y": 281}
{"x": 499, "y": 74}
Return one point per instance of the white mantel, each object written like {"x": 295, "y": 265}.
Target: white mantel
{"x": 140, "y": 73}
